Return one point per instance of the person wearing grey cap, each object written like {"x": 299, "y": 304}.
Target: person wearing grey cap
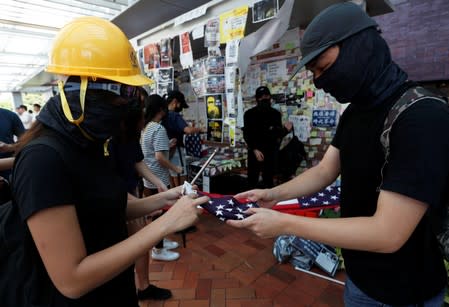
{"x": 391, "y": 254}
{"x": 263, "y": 131}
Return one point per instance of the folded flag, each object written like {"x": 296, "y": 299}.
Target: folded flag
{"x": 327, "y": 198}
{"x": 226, "y": 207}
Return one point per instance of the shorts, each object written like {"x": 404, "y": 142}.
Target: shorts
{"x": 176, "y": 160}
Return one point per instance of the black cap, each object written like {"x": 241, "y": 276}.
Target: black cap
{"x": 331, "y": 26}
{"x": 262, "y": 90}
{"x": 178, "y": 96}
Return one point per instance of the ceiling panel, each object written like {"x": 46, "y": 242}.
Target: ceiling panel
{"x": 28, "y": 27}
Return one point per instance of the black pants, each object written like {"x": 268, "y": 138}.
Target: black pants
{"x": 267, "y": 167}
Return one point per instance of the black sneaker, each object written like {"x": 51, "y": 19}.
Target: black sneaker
{"x": 153, "y": 293}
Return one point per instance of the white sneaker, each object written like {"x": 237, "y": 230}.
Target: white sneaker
{"x": 169, "y": 244}
{"x": 164, "y": 254}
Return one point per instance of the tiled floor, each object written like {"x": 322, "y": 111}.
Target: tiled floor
{"x": 223, "y": 266}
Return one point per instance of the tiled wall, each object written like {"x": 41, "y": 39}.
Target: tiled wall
{"x": 418, "y": 35}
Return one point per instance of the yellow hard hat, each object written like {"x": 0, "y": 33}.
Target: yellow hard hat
{"x": 95, "y": 47}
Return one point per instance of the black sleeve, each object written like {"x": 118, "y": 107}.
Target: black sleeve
{"x": 41, "y": 180}
{"x": 418, "y": 165}
{"x": 341, "y": 123}
{"x": 281, "y": 131}
{"x": 138, "y": 152}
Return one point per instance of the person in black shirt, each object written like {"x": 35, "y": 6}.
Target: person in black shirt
{"x": 72, "y": 204}
{"x": 391, "y": 254}
{"x": 263, "y": 132}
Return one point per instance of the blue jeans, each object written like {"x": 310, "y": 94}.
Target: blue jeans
{"x": 354, "y": 297}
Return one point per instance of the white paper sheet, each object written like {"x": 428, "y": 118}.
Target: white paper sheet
{"x": 265, "y": 37}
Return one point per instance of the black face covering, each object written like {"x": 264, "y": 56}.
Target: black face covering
{"x": 178, "y": 109}
{"x": 101, "y": 116}
{"x": 264, "y": 103}
{"x": 363, "y": 72}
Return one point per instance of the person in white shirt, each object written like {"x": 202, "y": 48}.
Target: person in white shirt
{"x": 36, "y": 110}
{"x": 25, "y": 117}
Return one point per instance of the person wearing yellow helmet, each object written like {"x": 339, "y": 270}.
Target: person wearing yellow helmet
{"x": 74, "y": 248}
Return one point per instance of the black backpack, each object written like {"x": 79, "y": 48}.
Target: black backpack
{"x": 290, "y": 157}
{"x": 439, "y": 218}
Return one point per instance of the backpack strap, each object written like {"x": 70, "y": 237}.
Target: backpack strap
{"x": 408, "y": 99}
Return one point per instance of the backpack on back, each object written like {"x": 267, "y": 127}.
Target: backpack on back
{"x": 439, "y": 218}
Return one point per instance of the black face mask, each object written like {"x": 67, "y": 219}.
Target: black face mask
{"x": 332, "y": 82}
{"x": 102, "y": 120}
{"x": 363, "y": 72}
{"x": 178, "y": 109}
{"x": 264, "y": 103}
{"x": 101, "y": 117}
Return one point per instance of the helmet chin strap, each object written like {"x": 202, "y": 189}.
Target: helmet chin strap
{"x": 66, "y": 107}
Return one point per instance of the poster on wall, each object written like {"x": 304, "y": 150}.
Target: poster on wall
{"x": 232, "y": 24}
{"x": 186, "y": 55}
{"x": 215, "y": 84}
{"x": 198, "y": 69}
{"x": 164, "y": 88}
{"x": 165, "y": 75}
{"x": 166, "y": 52}
{"x": 212, "y": 33}
{"x": 215, "y": 130}
{"x": 264, "y": 10}
{"x": 214, "y": 104}
{"x": 151, "y": 56}
{"x": 232, "y": 51}
{"x": 324, "y": 118}
{"x": 199, "y": 87}
{"x": 215, "y": 65}
{"x": 301, "y": 126}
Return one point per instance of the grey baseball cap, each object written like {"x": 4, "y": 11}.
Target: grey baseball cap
{"x": 331, "y": 26}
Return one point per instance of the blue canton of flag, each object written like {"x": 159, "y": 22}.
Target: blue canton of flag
{"x": 227, "y": 207}
{"x": 193, "y": 145}
{"x": 327, "y": 197}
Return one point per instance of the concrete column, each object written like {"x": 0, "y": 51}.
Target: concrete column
{"x": 17, "y": 99}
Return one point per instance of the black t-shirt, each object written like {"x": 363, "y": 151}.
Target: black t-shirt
{"x": 263, "y": 128}
{"x": 125, "y": 156}
{"x": 418, "y": 167}
{"x": 43, "y": 179}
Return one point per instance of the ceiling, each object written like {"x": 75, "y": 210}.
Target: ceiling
{"x": 27, "y": 28}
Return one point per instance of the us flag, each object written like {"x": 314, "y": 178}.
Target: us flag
{"x": 226, "y": 207}
{"x": 327, "y": 198}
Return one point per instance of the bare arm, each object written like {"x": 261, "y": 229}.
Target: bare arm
{"x": 139, "y": 207}
{"x": 6, "y": 163}
{"x": 312, "y": 180}
{"x": 309, "y": 182}
{"x": 4, "y": 147}
{"x": 58, "y": 238}
{"x": 160, "y": 157}
{"x": 192, "y": 130}
{"x": 386, "y": 231}
{"x": 143, "y": 170}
